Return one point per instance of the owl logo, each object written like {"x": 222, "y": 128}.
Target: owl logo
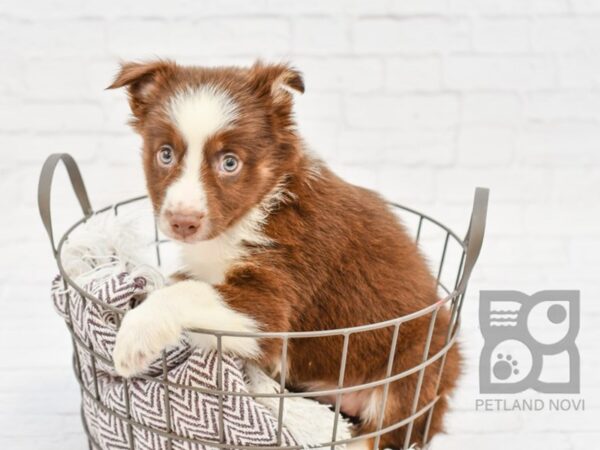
{"x": 529, "y": 342}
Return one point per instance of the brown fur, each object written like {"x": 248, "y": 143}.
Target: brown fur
{"x": 339, "y": 257}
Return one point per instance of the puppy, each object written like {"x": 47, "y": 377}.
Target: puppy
{"x": 273, "y": 241}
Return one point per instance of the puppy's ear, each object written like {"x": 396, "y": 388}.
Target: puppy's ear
{"x": 277, "y": 81}
{"x": 142, "y": 80}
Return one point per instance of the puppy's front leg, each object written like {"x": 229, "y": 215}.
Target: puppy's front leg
{"x": 159, "y": 321}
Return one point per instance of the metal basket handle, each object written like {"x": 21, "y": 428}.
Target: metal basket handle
{"x": 45, "y": 189}
{"x": 474, "y": 237}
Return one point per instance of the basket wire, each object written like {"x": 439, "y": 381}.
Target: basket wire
{"x": 452, "y": 298}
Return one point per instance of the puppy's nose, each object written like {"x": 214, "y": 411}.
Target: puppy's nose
{"x": 185, "y": 225}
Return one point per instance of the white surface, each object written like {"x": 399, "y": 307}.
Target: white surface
{"x": 421, "y": 100}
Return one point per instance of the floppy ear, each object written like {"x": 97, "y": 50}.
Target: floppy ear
{"x": 142, "y": 80}
{"x": 277, "y": 81}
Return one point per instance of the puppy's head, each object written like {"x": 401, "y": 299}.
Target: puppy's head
{"x": 216, "y": 140}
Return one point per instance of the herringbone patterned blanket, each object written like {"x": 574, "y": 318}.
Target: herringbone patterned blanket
{"x": 118, "y": 412}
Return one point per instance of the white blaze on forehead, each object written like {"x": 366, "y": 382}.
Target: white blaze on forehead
{"x": 198, "y": 114}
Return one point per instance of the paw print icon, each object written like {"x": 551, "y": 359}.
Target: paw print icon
{"x": 505, "y": 367}
{"x": 525, "y": 335}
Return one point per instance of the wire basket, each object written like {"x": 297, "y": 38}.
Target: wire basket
{"x": 452, "y": 279}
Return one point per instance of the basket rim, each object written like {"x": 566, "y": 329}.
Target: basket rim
{"x": 456, "y": 292}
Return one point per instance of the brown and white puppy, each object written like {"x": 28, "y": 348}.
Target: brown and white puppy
{"x": 272, "y": 240}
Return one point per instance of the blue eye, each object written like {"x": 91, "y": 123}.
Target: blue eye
{"x": 229, "y": 163}
{"x": 165, "y": 155}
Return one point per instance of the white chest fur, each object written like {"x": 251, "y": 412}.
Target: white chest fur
{"x": 210, "y": 260}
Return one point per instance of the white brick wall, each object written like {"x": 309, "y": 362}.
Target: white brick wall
{"x": 422, "y": 100}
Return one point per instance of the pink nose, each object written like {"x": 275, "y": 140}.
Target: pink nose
{"x": 185, "y": 225}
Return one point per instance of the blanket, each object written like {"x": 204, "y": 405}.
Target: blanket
{"x": 117, "y": 411}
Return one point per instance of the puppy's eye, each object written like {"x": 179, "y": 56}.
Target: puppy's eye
{"x": 229, "y": 163}
{"x": 166, "y": 155}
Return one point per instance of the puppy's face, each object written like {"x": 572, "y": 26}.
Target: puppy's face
{"x": 216, "y": 140}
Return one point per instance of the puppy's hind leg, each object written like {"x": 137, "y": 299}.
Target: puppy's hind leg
{"x": 398, "y": 408}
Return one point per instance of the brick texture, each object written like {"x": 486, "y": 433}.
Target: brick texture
{"x": 420, "y": 100}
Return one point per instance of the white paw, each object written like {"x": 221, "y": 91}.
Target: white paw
{"x": 145, "y": 332}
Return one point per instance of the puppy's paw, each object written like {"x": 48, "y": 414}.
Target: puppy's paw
{"x": 144, "y": 333}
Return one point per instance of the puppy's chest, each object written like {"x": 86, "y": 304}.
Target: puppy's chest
{"x": 210, "y": 261}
